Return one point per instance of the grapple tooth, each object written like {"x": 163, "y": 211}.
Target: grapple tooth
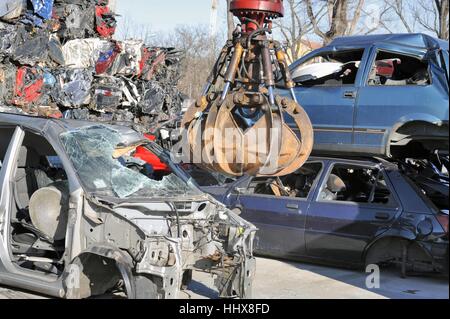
{"x": 244, "y": 155}
{"x": 305, "y": 134}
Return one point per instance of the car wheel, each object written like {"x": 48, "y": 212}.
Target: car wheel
{"x": 145, "y": 288}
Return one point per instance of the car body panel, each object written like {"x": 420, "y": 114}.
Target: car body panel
{"x": 277, "y": 219}
{"x": 338, "y": 233}
{"x": 365, "y": 124}
{"x": 331, "y": 108}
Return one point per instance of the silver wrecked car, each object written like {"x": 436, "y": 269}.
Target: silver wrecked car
{"x": 80, "y": 217}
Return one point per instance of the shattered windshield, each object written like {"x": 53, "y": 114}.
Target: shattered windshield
{"x": 92, "y": 152}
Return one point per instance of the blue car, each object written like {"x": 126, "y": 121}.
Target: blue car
{"x": 347, "y": 212}
{"x": 383, "y": 95}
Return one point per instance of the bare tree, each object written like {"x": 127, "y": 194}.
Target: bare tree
{"x": 433, "y": 17}
{"x": 342, "y": 16}
{"x": 199, "y": 55}
{"x": 131, "y": 30}
{"x": 294, "y": 28}
{"x": 376, "y": 18}
{"x": 403, "y": 12}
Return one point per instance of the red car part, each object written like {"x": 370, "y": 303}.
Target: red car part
{"x": 107, "y": 59}
{"x": 106, "y": 25}
{"x": 147, "y": 156}
{"x": 28, "y": 88}
{"x": 150, "y": 62}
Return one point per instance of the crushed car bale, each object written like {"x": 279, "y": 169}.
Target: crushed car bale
{"x": 58, "y": 58}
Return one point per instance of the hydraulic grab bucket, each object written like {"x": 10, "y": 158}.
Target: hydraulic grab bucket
{"x": 245, "y": 128}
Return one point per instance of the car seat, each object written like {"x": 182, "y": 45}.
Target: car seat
{"x": 28, "y": 179}
{"x": 300, "y": 185}
{"x": 335, "y": 185}
{"x": 25, "y": 182}
{"x": 398, "y": 77}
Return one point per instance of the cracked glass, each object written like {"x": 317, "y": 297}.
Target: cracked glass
{"x": 91, "y": 150}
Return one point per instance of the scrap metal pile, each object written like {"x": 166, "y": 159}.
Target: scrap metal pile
{"x": 58, "y": 59}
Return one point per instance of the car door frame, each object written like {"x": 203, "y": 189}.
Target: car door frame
{"x": 397, "y": 209}
{"x": 5, "y": 198}
{"x": 306, "y": 201}
{"x": 385, "y": 132}
{"x": 11, "y": 274}
{"x": 359, "y": 81}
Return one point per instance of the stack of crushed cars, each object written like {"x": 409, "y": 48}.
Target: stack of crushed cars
{"x": 58, "y": 59}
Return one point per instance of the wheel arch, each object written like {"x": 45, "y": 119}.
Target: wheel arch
{"x": 391, "y": 234}
{"x": 396, "y": 236}
{"x": 409, "y": 123}
{"x": 122, "y": 262}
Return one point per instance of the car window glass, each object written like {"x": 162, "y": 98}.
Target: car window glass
{"x": 348, "y": 183}
{"x": 106, "y": 167}
{"x": 393, "y": 69}
{"x": 297, "y": 185}
{"x": 329, "y": 69}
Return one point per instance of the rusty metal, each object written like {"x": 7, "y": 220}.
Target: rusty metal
{"x": 240, "y": 98}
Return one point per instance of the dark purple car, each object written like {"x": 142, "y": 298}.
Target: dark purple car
{"x": 347, "y": 212}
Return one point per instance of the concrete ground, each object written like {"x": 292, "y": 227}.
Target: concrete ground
{"x": 289, "y": 280}
{"x": 276, "y": 279}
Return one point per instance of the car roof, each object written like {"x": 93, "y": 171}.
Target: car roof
{"x": 40, "y": 123}
{"x": 354, "y": 160}
{"x": 417, "y": 40}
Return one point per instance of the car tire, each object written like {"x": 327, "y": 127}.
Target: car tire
{"x": 145, "y": 288}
